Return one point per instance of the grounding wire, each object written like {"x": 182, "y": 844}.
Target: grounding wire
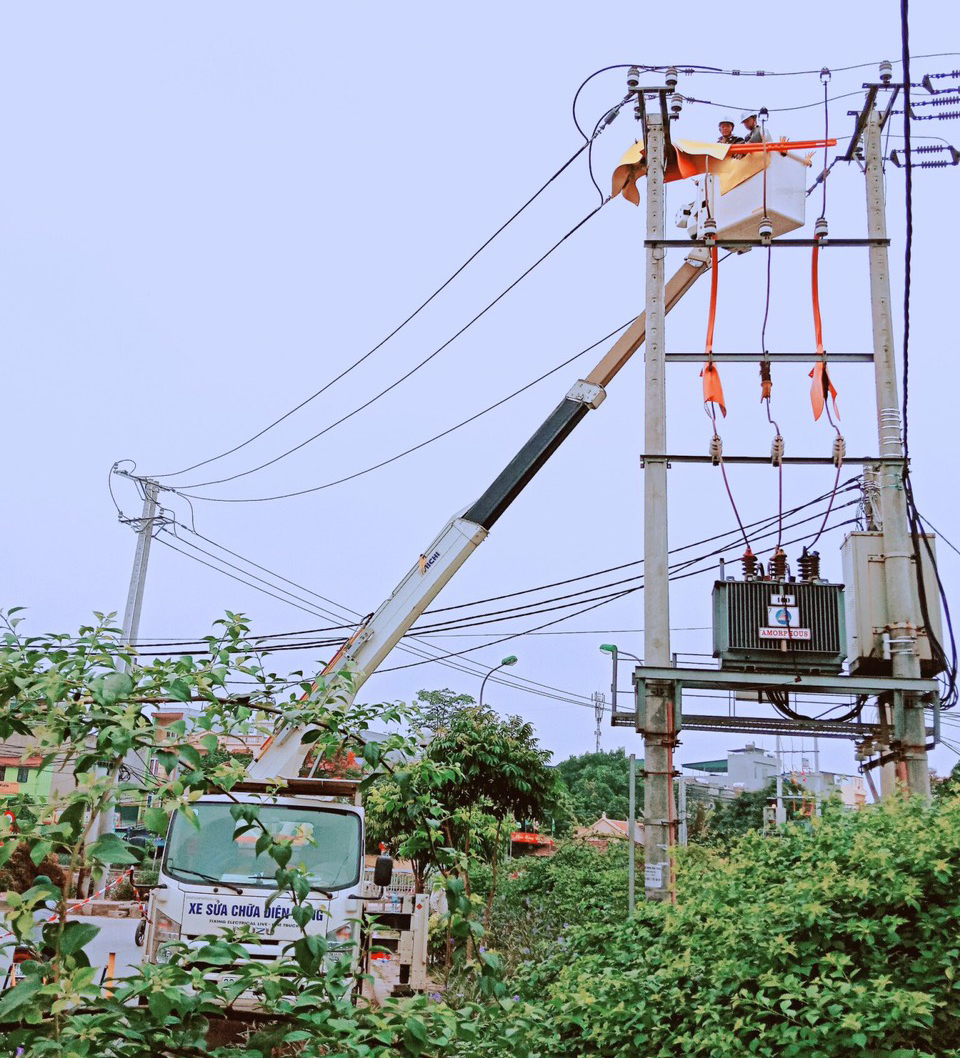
{"x": 366, "y": 404}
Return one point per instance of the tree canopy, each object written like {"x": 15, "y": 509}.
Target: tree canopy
{"x": 598, "y": 783}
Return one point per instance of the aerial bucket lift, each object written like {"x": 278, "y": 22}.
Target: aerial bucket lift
{"x": 737, "y": 185}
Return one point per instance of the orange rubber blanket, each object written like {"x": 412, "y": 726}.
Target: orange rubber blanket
{"x": 731, "y": 162}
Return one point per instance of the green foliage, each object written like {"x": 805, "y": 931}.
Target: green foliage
{"x": 731, "y": 818}
{"x": 542, "y": 898}
{"x": 71, "y": 696}
{"x": 598, "y": 783}
{"x": 434, "y": 710}
{"x": 832, "y": 940}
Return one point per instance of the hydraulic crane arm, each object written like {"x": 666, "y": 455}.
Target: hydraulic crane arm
{"x": 283, "y": 754}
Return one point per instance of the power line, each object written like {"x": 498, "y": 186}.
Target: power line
{"x": 585, "y": 609}
{"x": 395, "y": 331}
{"x": 416, "y": 447}
{"x": 436, "y": 352}
{"x": 761, "y": 524}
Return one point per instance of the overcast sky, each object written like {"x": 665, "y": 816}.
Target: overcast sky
{"x": 210, "y": 210}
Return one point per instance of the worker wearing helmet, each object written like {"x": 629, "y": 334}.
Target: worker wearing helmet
{"x": 726, "y": 132}
{"x": 754, "y": 134}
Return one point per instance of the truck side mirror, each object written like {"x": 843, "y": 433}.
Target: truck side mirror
{"x": 383, "y": 871}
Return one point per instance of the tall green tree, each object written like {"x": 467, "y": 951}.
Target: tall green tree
{"x": 501, "y": 770}
{"x": 434, "y": 710}
{"x": 484, "y": 772}
{"x": 598, "y": 783}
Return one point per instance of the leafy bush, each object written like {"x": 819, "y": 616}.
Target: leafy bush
{"x": 840, "y": 939}
{"x": 543, "y": 898}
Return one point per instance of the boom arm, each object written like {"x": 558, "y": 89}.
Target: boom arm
{"x": 283, "y": 754}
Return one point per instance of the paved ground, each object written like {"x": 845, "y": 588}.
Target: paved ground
{"x": 116, "y": 935}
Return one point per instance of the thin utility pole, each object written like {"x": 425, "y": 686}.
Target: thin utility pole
{"x": 632, "y": 839}
{"x": 658, "y": 815}
{"x": 899, "y": 571}
{"x": 682, "y": 806}
{"x": 138, "y": 576}
{"x": 106, "y": 822}
{"x": 781, "y": 816}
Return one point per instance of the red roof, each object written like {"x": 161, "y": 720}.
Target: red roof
{"x": 16, "y": 762}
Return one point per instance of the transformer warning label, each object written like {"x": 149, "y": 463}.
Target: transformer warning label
{"x": 785, "y": 633}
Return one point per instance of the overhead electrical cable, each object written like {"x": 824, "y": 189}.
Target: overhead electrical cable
{"x": 760, "y": 525}
{"x": 567, "y": 617}
{"x": 949, "y": 664}
{"x": 413, "y": 448}
{"x": 393, "y": 385}
{"x": 396, "y": 330}
{"x": 540, "y": 606}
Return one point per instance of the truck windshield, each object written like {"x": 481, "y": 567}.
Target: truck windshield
{"x": 326, "y": 843}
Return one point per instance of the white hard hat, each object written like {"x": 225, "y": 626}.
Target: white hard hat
{"x": 726, "y": 121}
{"x": 748, "y": 114}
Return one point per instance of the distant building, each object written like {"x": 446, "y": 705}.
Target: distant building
{"x": 23, "y": 777}
{"x": 750, "y": 768}
{"x": 604, "y": 830}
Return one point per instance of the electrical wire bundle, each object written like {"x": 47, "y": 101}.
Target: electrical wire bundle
{"x": 921, "y": 545}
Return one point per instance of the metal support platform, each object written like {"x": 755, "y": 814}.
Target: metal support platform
{"x": 765, "y": 460}
{"x": 675, "y": 680}
{"x": 781, "y": 358}
{"x": 749, "y": 244}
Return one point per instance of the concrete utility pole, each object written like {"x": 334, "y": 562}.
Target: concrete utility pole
{"x": 632, "y": 839}
{"x": 106, "y": 822}
{"x": 658, "y": 814}
{"x": 138, "y": 576}
{"x": 899, "y": 567}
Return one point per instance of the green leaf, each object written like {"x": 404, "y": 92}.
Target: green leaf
{"x": 302, "y": 914}
{"x": 40, "y": 851}
{"x": 15, "y": 998}
{"x": 77, "y": 935}
{"x": 179, "y": 690}
{"x": 110, "y": 689}
{"x": 156, "y": 820}
{"x": 416, "y": 1028}
{"x": 192, "y": 757}
{"x": 108, "y": 848}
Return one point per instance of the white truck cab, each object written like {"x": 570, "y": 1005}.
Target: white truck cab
{"x": 211, "y": 881}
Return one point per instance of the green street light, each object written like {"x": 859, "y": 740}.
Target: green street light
{"x": 507, "y": 661}
{"x": 614, "y": 651}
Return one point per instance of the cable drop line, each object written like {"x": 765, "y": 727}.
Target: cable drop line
{"x": 395, "y": 331}
{"x": 210, "y": 565}
{"x": 825, "y": 77}
{"x": 273, "y": 573}
{"x": 908, "y": 232}
{"x": 412, "y": 371}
